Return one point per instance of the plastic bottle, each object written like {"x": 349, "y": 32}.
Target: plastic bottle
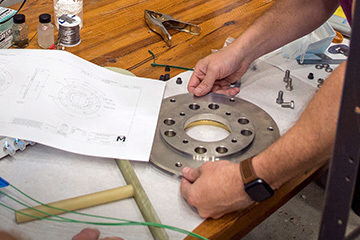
{"x": 45, "y": 31}
{"x": 20, "y": 32}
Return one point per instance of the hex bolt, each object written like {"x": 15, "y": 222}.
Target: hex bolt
{"x": 280, "y": 98}
{"x": 290, "y": 104}
{"x": 289, "y": 86}
{"x": 287, "y": 76}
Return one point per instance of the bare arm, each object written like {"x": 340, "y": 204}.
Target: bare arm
{"x": 306, "y": 144}
{"x": 309, "y": 141}
{"x": 287, "y": 20}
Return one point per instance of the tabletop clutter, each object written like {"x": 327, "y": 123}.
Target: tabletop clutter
{"x": 68, "y": 15}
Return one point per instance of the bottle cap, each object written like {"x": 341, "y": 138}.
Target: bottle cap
{"x": 19, "y": 18}
{"x": 45, "y": 18}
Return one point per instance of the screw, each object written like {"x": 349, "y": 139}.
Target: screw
{"x": 167, "y": 68}
{"x": 311, "y": 76}
{"x": 162, "y": 77}
{"x": 167, "y": 76}
{"x": 287, "y": 76}
{"x": 290, "y": 104}
{"x": 280, "y": 98}
{"x": 289, "y": 86}
{"x": 178, "y": 80}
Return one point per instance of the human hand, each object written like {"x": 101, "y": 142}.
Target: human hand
{"x": 215, "y": 188}
{"x": 217, "y": 72}
{"x": 92, "y": 234}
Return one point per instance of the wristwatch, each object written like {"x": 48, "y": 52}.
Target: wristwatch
{"x": 255, "y": 187}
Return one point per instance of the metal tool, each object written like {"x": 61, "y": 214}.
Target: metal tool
{"x": 250, "y": 131}
{"x": 159, "y": 23}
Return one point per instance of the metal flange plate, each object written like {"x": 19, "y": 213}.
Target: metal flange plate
{"x": 250, "y": 131}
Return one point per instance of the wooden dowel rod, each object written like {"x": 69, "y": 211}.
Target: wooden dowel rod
{"x": 77, "y": 203}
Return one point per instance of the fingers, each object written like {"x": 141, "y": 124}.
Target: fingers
{"x": 87, "y": 234}
{"x": 202, "y": 79}
{"x": 191, "y": 174}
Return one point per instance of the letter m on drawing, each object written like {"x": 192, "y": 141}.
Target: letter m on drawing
{"x": 121, "y": 138}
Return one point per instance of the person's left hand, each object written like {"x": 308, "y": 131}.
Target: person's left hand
{"x": 92, "y": 234}
{"x": 215, "y": 188}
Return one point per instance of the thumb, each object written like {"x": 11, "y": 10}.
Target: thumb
{"x": 206, "y": 84}
{"x": 191, "y": 174}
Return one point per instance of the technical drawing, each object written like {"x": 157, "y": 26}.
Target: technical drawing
{"x": 5, "y": 80}
{"x": 79, "y": 100}
{"x": 34, "y": 86}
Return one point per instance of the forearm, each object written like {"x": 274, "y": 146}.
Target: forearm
{"x": 285, "y": 21}
{"x": 309, "y": 141}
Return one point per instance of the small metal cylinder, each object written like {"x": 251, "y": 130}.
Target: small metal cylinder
{"x": 287, "y": 76}
{"x": 289, "y": 86}
{"x": 280, "y": 98}
{"x": 290, "y": 104}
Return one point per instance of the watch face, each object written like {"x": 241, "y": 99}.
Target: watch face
{"x": 259, "y": 190}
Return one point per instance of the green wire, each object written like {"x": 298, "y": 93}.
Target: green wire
{"x": 163, "y": 65}
{"x": 125, "y": 222}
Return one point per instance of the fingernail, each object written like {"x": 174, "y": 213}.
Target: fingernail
{"x": 198, "y": 90}
{"x": 185, "y": 170}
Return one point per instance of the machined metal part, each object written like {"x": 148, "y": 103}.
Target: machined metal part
{"x": 290, "y": 104}
{"x": 328, "y": 69}
{"x": 159, "y": 23}
{"x": 280, "y": 98}
{"x": 289, "y": 86}
{"x": 250, "y": 131}
{"x": 287, "y": 76}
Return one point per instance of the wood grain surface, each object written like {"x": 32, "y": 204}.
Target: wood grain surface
{"x": 115, "y": 35}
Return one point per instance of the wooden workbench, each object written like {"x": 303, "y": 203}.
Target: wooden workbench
{"x": 115, "y": 35}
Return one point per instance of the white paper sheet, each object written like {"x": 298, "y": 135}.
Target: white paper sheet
{"x": 60, "y": 100}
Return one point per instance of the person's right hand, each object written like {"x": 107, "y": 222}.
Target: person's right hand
{"x": 218, "y": 71}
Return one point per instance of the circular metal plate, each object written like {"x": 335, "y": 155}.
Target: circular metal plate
{"x": 250, "y": 131}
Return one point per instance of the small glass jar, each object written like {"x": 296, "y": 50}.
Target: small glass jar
{"x": 20, "y": 32}
{"x": 45, "y": 31}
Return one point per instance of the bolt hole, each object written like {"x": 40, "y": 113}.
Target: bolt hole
{"x": 221, "y": 150}
{"x": 170, "y": 133}
{"x": 200, "y": 150}
{"x": 185, "y": 141}
{"x": 169, "y": 121}
{"x": 234, "y": 140}
{"x": 182, "y": 114}
{"x": 270, "y": 129}
{"x": 246, "y": 132}
{"x": 173, "y": 100}
{"x": 213, "y": 106}
{"x": 243, "y": 121}
{"x": 232, "y": 99}
{"x": 178, "y": 164}
{"x": 194, "y": 106}
{"x": 228, "y": 113}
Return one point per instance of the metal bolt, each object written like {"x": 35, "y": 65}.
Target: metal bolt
{"x": 289, "y": 86}
{"x": 280, "y": 98}
{"x": 287, "y": 76}
{"x": 179, "y": 80}
{"x": 290, "y": 104}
